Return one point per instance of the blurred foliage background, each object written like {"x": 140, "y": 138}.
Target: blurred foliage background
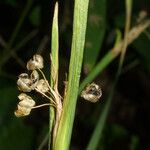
{"x": 25, "y": 29}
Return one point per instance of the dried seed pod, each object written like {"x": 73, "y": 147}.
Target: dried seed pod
{"x": 24, "y": 83}
{"x": 34, "y": 78}
{"x": 35, "y": 63}
{"x": 22, "y": 111}
{"x": 22, "y": 96}
{"x": 25, "y": 105}
{"x": 42, "y": 86}
{"x": 26, "y": 101}
{"x": 92, "y": 93}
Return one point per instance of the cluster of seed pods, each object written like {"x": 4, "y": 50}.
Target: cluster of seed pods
{"x": 27, "y": 83}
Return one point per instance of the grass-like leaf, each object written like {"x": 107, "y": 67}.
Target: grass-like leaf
{"x": 54, "y": 67}
{"x": 63, "y": 136}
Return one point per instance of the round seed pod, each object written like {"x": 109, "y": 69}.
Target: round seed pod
{"x": 24, "y": 106}
{"x": 92, "y": 93}
{"x": 24, "y": 83}
{"x": 35, "y": 63}
{"x": 34, "y": 78}
{"x": 22, "y": 111}
{"x": 22, "y": 96}
{"x": 42, "y": 86}
{"x": 26, "y": 101}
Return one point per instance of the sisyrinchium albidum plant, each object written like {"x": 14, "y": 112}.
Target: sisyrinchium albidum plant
{"x": 27, "y": 83}
{"x": 62, "y": 107}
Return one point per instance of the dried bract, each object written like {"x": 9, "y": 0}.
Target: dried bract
{"x": 42, "y": 86}
{"x": 92, "y": 93}
{"x": 24, "y": 83}
{"x": 35, "y": 63}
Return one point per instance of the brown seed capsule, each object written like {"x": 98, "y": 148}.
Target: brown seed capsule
{"x": 92, "y": 93}
{"x": 25, "y": 105}
{"x": 24, "y": 83}
{"x": 22, "y": 96}
{"x": 42, "y": 86}
{"x": 26, "y": 101}
{"x": 35, "y": 63}
{"x": 34, "y": 78}
{"x": 22, "y": 111}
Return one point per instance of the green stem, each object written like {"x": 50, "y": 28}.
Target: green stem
{"x": 63, "y": 136}
{"x": 53, "y": 113}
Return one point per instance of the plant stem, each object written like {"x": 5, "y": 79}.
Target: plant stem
{"x": 63, "y": 136}
{"x": 54, "y": 116}
{"x": 46, "y": 104}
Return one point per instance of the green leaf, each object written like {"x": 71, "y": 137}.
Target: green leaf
{"x": 63, "y": 136}
{"x": 54, "y": 67}
{"x": 95, "y": 32}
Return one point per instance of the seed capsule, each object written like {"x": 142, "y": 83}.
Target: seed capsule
{"x": 34, "y": 78}
{"x": 35, "y": 63}
{"x": 26, "y": 101}
{"x": 22, "y": 111}
{"x": 42, "y": 86}
{"x": 25, "y": 105}
{"x": 92, "y": 93}
{"x": 24, "y": 83}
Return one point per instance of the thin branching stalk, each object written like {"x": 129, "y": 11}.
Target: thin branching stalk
{"x": 46, "y": 104}
{"x": 51, "y": 100}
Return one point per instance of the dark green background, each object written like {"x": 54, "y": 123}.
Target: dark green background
{"x": 128, "y": 122}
